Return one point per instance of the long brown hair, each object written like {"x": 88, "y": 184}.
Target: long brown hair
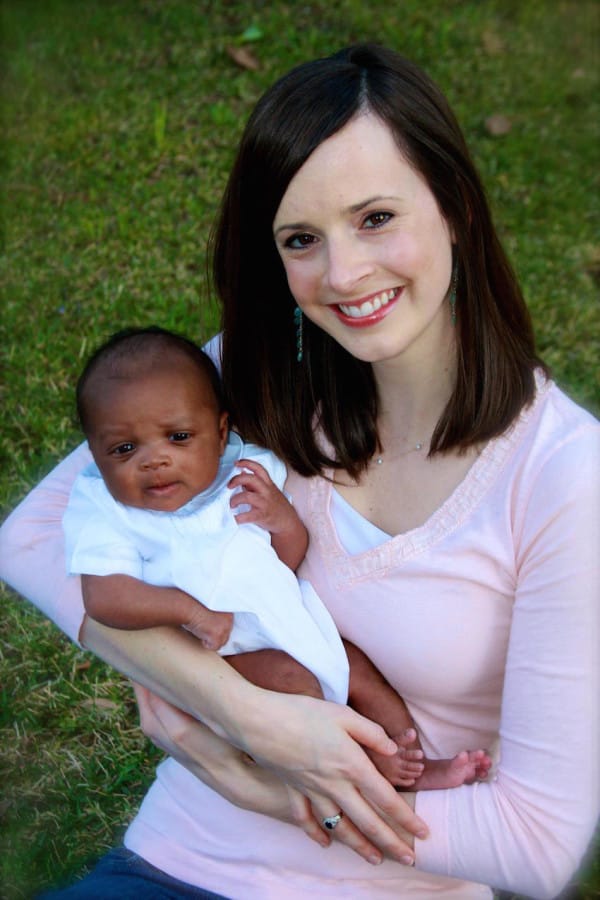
{"x": 283, "y": 404}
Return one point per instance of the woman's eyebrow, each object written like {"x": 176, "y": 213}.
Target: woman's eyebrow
{"x": 291, "y": 226}
{"x": 353, "y": 208}
{"x": 378, "y": 198}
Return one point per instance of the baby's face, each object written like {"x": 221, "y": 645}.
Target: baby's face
{"x": 157, "y": 438}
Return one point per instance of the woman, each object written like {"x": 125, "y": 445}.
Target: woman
{"x": 451, "y": 495}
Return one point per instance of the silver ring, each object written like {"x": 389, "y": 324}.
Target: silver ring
{"x": 331, "y": 822}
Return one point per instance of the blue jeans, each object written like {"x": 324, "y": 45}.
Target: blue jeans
{"x": 123, "y": 875}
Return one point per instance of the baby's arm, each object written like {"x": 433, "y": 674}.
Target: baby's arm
{"x": 372, "y": 696}
{"x": 269, "y": 508}
{"x": 121, "y": 601}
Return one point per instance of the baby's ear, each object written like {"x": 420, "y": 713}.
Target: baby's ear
{"x": 223, "y": 429}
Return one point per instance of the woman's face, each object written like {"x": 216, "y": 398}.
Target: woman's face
{"x": 367, "y": 254}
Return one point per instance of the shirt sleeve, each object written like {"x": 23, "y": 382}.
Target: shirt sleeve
{"x": 95, "y": 541}
{"x": 531, "y": 826}
{"x": 32, "y": 549}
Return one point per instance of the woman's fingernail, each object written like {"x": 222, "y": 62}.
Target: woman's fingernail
{"x": 422, "y": 834}
{"x": 406, "y": 860}
{"x": 374, "y": 860}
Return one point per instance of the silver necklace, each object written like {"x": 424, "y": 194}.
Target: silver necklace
{"x": 414, "y": 449}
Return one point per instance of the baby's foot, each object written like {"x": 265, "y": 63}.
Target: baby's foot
{"x": 465, "y": 768}
{"x": 405, "y": 767}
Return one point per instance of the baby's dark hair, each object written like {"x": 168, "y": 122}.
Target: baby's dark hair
{"x": 133, "y": 351}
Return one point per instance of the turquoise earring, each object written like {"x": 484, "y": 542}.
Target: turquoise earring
{"x": 298, "y": 323}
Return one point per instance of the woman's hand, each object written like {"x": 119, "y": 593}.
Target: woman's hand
{"x": 235, "y": 776}
{"x": 315, "y": 747}
{"x": 312, "y": 745}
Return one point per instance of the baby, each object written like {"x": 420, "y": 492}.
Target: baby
{"x": 199, "y": 525}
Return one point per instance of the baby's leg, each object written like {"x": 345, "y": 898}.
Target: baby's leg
{"x": 275, "y": 670}
{"x": 372, "y": 696}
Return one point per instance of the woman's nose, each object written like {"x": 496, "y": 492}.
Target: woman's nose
{"x": 347, "y": 264}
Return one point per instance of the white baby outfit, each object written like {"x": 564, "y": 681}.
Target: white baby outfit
{"x": 202, "y": 550}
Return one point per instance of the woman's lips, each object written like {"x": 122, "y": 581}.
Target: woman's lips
{"x": 369, "y": 310}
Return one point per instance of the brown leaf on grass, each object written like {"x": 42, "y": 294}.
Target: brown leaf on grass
{"x": 492, "y": 43}
{"x": 82, "y": 666}
{"x": 100, "y": 704}
{"x": 497, "y": 125}
{"x": 593, "y": 266}
{"x": 243, "y": 58}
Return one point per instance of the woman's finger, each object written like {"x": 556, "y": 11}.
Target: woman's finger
{"x": 305, "y": 816}
{"x": 149, "y": 721}
{"x": 366, "y": 831}
{"x": 302, "y": 815}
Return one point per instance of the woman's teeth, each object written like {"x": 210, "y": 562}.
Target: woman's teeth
{"x": 367, "y": 308}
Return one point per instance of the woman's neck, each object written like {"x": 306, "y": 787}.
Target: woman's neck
{"x": 412, "y": 398}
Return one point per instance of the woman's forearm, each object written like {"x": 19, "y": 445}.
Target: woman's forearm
{"x": 233, "y": 774}
{"x": 210, "y": 758}
{"x": 173, "y": 664}
{"x": 311, "y": 745}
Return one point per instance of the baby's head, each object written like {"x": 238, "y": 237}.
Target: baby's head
{"x": 150, "y": 405}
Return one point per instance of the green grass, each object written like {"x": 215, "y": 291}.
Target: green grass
{"x": 120, "y": 118}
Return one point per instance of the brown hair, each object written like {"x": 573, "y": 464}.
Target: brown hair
{"x": 278, "y": 402}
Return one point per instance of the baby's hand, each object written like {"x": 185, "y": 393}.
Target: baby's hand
{"x": 211, "y": 628}
{"x": 269, "y": 507}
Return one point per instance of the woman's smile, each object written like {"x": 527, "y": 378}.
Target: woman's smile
{"x": 368, "y": 310}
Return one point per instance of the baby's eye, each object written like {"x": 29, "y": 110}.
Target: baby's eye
{"x": 179, "y": 436}
{"x": 377, "y": 219}
{"x": 123, "y": 449}
{"x": 300, "y": 241}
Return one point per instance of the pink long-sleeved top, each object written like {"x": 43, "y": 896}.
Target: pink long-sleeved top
{"x": 485, "y": 619}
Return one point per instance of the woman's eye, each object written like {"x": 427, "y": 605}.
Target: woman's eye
{"x": 123, "y": 449}
{"x": 299, "y": 241}
{"x": 377, "y": 219}
{"x": 180, "y": 436}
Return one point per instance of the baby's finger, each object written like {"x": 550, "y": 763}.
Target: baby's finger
{"x": 255, "y": 468}
{"x": 247, "y": 481}
{"x": 248, "y": 494}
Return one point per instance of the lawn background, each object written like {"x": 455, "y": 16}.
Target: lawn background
{"x": 119, "y": 124}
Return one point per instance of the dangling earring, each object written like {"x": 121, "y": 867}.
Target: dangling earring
{"x": 453, "y": 285}
{"x": 298, "y": 323}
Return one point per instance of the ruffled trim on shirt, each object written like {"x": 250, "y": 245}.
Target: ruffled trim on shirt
{"x": 346, "y": 569}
